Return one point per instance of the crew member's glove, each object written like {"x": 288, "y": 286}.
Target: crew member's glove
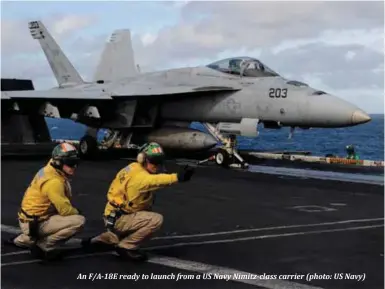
{"x": 185, "y": 174}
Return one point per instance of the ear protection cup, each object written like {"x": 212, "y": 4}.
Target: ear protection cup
{"x": 141, "y": 158}
{"x": 155, "y": 155}
{"x": 57, "y": 164}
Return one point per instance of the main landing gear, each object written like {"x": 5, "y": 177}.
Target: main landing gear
{"x": 227, "y": 154}
{"x": 88, "y": 145}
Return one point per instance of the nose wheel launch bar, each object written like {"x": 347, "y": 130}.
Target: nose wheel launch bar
{"x": 226, "y": 154}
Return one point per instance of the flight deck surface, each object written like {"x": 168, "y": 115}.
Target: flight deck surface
{"x": 222, "y": 222}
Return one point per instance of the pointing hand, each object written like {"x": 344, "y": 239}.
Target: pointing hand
{"x": 185, "y": 174}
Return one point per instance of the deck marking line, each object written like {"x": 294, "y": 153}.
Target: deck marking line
{"x": 266, "y": 229}
{"x": 223, "y": 241}
{"x": 206, "y": 268}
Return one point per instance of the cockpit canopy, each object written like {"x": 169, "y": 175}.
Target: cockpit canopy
{"x": 244, "y": 66}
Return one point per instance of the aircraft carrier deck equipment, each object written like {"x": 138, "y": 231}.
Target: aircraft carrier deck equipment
{"x": 317, "y": 159}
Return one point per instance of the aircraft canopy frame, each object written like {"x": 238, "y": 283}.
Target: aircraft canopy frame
{"x": 244, "y": 66}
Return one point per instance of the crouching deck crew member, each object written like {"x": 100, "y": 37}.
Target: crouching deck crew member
{"x": 46, "y": 217}
{"x": 128, "y": 214}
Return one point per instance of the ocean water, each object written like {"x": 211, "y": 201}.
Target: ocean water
{"x": 367, "y": 138}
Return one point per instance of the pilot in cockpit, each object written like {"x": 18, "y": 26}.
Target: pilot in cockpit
{"x": 246, "y": 66}
{"x": 235, "y": 65}
{"x": 250, "y": 68}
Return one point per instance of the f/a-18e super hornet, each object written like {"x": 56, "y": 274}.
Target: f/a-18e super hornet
{"x": 230, "y": 97}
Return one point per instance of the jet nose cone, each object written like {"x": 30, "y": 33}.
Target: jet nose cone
{"x": 209, "y": 142}
{"x": 359, "y": 117}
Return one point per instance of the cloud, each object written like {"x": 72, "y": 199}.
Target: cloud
{"x": 308, "y": 16}
{"x": 372, "y": 39}
{"x": 71, "y": 23}
{"x": 176, "y": 4}
{"x": 350, "y": 55}
{"x": 83, "y": 52}
{"x": 338, "y": 45}
{"x": 148, "y": 39}
{"x": 22, "y": 56}
{"x": 16, "y": 38}
{"x": 323, "y": 58}
{"x": 206, "y": 29}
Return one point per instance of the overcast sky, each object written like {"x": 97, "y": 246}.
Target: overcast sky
{"x": 337, "y": 47}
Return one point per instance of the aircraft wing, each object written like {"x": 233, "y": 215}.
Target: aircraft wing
{"x": 49, "y": 95}
{"x": 54, "y": 103}
{"x": 64, "y": 103}
{"x": 134, "y": 91}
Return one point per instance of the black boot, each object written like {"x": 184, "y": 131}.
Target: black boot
{"x": 95, "y": 246}
{"x": 132, "y": 255}
{"x": 37, "y": 252}
{"x": 51, "y": 255}
{"x": 11, "y": 241}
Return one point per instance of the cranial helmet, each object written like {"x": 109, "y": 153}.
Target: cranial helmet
{"x": 152, "y": 152}
{"x": 65, "y": 154}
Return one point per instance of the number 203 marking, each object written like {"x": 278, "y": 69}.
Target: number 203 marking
{"x": 277, "y": 92}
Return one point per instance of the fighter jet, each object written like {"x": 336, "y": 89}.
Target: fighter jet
{"x": 230, "y": 97}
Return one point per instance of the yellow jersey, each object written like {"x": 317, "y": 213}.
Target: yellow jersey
{"x": 48, "y": 194}
{"x": 133, "y": 187}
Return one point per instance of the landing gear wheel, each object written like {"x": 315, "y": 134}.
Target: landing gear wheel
{"x": 244, "y": 165}
{"x": 87, "y": 146}
{"x": 222, "y": 158}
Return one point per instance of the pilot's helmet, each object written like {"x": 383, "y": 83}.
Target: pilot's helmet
{"x": 350, "y": 148}
{"x": 234, "y": 62}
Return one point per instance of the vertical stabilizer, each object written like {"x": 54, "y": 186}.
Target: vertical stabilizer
{"x": 117, "y": 60}
{"x": 62, "y": 68}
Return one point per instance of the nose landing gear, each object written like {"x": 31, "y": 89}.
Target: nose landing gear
{"x": 227, "y": 154}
